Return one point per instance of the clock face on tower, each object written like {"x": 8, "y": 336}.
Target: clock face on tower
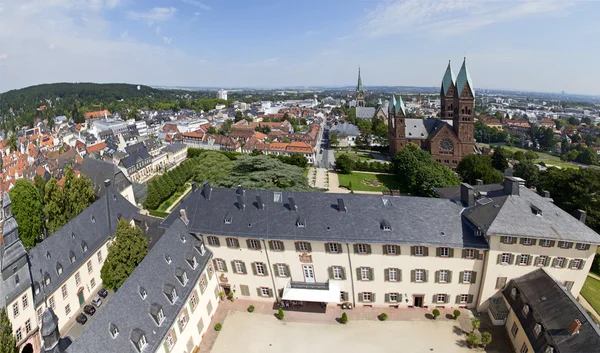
{"x": 446, "y": 144}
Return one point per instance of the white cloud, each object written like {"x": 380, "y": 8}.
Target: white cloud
{"x": 197, "y": 4}
{"x": 3, "y": 56}
{"x": 157, "y": 30}
{"x": 451, "y": 17}
{"x": 167, "y": 40}
{"x": 156, "y": 14}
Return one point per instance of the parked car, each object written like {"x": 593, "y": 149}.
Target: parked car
{"x": 103, "y": 293}
{"x": 97, "y": 301}
{"x": 81, "y": 318}
{"x": 89, "y": 309}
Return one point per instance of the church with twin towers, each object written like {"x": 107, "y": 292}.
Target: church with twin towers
{"x": 449, "y": 138}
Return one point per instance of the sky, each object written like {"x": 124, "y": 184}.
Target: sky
{"x": 533, "y": 45}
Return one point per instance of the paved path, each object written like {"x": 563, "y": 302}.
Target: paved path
{"x": 176, "y": 202}
{"x": 334, "y": 184}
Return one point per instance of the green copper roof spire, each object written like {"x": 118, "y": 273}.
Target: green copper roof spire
{"x": 359, "y": 87}
{"x": 392, "y": 103}
{"x": 463, "y": 78}
{"x": 448, "y": 79}
{"x": 400, "y": 106}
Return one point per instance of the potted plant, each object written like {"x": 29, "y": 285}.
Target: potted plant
{"x": 435, "y": 313}
{"x": 486, "y": 338}
{"x": 456, "y": 314}
{"x": 251, "y": 308}
{"x": 382, "y": 316}
{"x": 218, "y": 326}
{"x": 221, "y": 295}
{"x": 344, "y": 318}
{"x": 475, "y": 323}
{"x": 230, "y": 296}
{"x": 472, "y": 340}
{"x": 280, "y": 314}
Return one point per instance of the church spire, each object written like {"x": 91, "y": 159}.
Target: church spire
{"x": 464, "y": 78}
{"x": 392, "y": 104}
{"x": 359, "y": 86}
{"x": 448, "y": 79}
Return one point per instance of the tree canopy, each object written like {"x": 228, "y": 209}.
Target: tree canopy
{"x": 124, "y": 254}
{"x": 344, "y": 164}
{"x": 477, "y": 166}
{"x": 528, "y": 171}
{"x": 212, "y": 166}
{"x": 8, "y": 341}
{"x": 26, "y": 204}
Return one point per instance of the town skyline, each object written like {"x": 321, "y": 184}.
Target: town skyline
{"x": 522, "y": 46}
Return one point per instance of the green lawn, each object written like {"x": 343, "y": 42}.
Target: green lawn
{"x": 168, "y": 202}
{"x": 543, "y": 157}
{"x": 365, "y": 156}
{"x": 387, "y": 181}
{"x": 591, "y": 292}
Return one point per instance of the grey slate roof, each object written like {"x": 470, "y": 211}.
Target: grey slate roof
{"x": 365, "y": 112}
{"x": 90, "y": 227}
{"x": 555, "y": 308}
{"x": 345, "y": 130}
{"x": 421, "y": 128}
{"x": 150, "y": 228}
{"x": 413, "y": 220}
{"x": 175, "y": 147}
{"x": 130, "y": 313}
{"x": 136, "y": 152}
{"x": 98, "y": 171}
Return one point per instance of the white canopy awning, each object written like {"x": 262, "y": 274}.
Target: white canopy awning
{"x": 331, "y": 295}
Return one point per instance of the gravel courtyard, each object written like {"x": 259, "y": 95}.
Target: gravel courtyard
{"x": 258, "y": 333}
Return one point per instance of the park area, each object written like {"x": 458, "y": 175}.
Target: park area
{"x": 548, "y": 159}
{"x": 591, "y": 292}
{"x": 368, "y": 181}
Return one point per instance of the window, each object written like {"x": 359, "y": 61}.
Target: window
{"x": 537, "y": 329}
{"x": 245, "y": 290}
{"x": 393, "y": 274}
{"x": 160, "y": 315}
{"x": 444, "y": 252}
{"x": 220, "y": 265}
{"x": 524, "y": 260}
{"x": 393, "y": 297}
{"x": 238, "y": 267}
{"x": 214, "y": 241}
{"x": 441, "y": 298}
{"x": 464, "y": 298}
{"x": 265, "y": 291}
{"x": 100, "y": 257}
{"x": 173, "y": 295}
{"x": 25, "y": 301}
{"x": 419, "y": 251}
{"x": 526, "y": 241}
{"x": 39, "y": 314}
{"x": 209, "y": 271}
{"x": 277, "y": 245}
{"x": 391, "y": 250}
{"x": 64, "y": 291}
{"x": 233, "y": 243}
{"x": 27, "y": 326}
{"x": 524, "y": 348}
{"x": 367, "y": 296}
{"x": 183, "y": 320}
{"x": 16, "y": 309}
{"x": 560, "y": 262}
{"x": 67, "y": 309}
{"x": 549, "y": 349}
{"x": 507, "y": 240}
{"x": 469, "y": 253}
{"x": 577, "y": 264}
{"x": 202, "y": 284}
{"x": 170, "y": 341}
{"x": 581, "y": 246}
{"x": 362, "y": 248}
{"x": 143, "y": 293}
{"x": 564, "y": 244}
{"x": 333, "y": 247}
{"x": 467, "y": 276}
{"x": 77, "y": 279}
{"x": 19, "y": 334}
{"x": 525, "y": 310}
{"x": 89, "y": 266}
{"x": 59, "y": 269}
{"x": 513, "y": 293}
{"x": 542, "y": 260}
{"x": 514, "y": 329}
{"x": 505, "y": 259}
{"x": 282, "y": 270}
{"x": 260, "y": 268}
{"x": 343, "y": 296}
{"x": 443, "y": 276}
{"x": 569, "y": 284}
{"x": 304, "y": 246}
{"x": 545, "y": 242}
{"x": 337, "y": 272}
{"x": 254, "y": 244}
{"x": 365, "y": 274}
{"x": 419, "y": 275}
{"x": 141, "y": 344}
{"x": 184, "y": 278}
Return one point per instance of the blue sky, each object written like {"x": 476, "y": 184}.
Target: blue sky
{"x": 541, "y": 45}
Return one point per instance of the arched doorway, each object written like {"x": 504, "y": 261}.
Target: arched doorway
{"x": 28, "y": 348}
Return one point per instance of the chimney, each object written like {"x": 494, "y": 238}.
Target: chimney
{"x": 508, "y": 172}
{"x": 106, "y": 190}
{"x": 467, "y": 197}
{"x": 183, "y": 215}
{"x": 106, "y": 183}
{"x": 341, "y": 205}
{"x": 511, "y": 185}
{"x": 292, "y": 204}
{"x": 193, "y": 186}
{"x": 206, "y": 190}
{"x": 259, "y": 203}
{"x": 546, "y": 194}
{"x": 581, "y": 215}
{"x": 575, "y": 326}
{"x": 240, "y": 203}
{"x": 478, "y": 182}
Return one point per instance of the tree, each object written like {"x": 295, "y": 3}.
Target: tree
{"x": 475, "y": 323}
{"x": 344, "y": 164}
{"x": 500, "y": 158}
{"x": 12, "y": 142}
{"x": 54, "y": 206}
{"x": 530, "y": 155}
{"x": 39, "y": 183}
{"x": 8, "y": 341}
{"x": 27, "y": 208}
{"x": 486, "y": 338}
{"x": 239, "y": 116}
{"x": 78, "y": 194}
{"x": 256, "y": 152}
{"x": 546, "y": 139}
{"x": 124, "y": 254}
{"x": 344, "y": 318}
{"x": 226, "y": 127}
{"x": 213, "y": 167}
{"x": 519, "y": 155}
{"x": 528, "y": 171}
{"x": 333, "y": 140}
{"x": 477, "y": 166}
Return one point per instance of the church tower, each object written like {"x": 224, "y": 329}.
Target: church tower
{"x": 396, "y": 125}
{"x": 463, "y": 115}
{"x": 447, "y": 94}
{"x": 51, "y": 341}
{"x": 360, "y": 93}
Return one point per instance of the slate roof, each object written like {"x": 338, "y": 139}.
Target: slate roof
{"x": 437, "y": 221}
{"x": 135, "y": 152}
{"x": 92, "y": 226}
{"x": 130, "y": 313}
{"x": 554, "y": 307}
{"x": 98, "y": 171}
{"x": 420, "y": 129}
{"x": 463, "y": 78}
{"x": 150, "y": 228}
{"x": 448, "y": 79}
{"x": 175, "y": 147}
{"x": 345, "y": 130}
{"x": 359, "y": 86}
{"x": 365, "y": 112}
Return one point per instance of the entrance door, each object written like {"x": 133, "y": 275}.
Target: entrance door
{"x": 81, "y": 298}
{"x": 418, "y": 301}
{"x": 226, "y": 290}
{"x": 309, "y": 274}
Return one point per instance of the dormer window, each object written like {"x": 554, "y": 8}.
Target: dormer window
{"x": 36, "y": 288}
{"x": 143, "y": 293}
{"x": 157, "y": 314}
{"x": 114, "y": 331}
{"x": 525, "y": 310}
{"x": 171, "y": 293}
{"x": 59, "y": 268}
{"x": 301, "y": 223}
{"x": 513, "y": 293}
{"x": 141, "y": 344}
{"x": 199, "y": 246}
{"x": 48, "y": 255}
{"x": 181, "y": 276}
{"x": 168, "y": 259}
{"x": 72, "y": 257}
{"x": 385, "y": 225}
{"x": 84, "y": 246}
{"x": 536, "y": 210}
{"x": 17, "y": 279}
{"x": 191, "y": 260}
{"x": 549, "y": 349}
{"x": 93, "y": 219}
{"x": 202, "y": 249}
{"x": 537, "y": 329}
{"x": 182, "y": 238}
{"x": 72, "y": 235}
{"x": 228, "y": 220}
{"x": 47, "y": 279}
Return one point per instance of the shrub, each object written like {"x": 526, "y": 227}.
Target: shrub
{"x": 475, "y": 323}
{"x": 218, "y": 326}
{"x": 230, "y": 295}
{"x": 344, "y": 318}
{"x": 472, "y": 340}
{"x": 251, "y": 308}
{"x": 456, "y": 314}
{"x": 486, "y": 338}
{"x": 280, "y": 314}
{"x": 435, "y": 313}
{"x": 383, "y": 316}
{"x": 221, "y": 295}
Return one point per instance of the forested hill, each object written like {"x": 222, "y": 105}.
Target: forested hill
{"x": 74, "y": 99}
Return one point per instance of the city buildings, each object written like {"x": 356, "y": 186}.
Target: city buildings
{"x": 222, "y": 94}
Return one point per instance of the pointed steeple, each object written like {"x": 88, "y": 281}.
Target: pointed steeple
{"x": 448, "y": 79}
{"x": 400, "y": 106}
{"x": 359, "y": 86}
{"x": 392, "y": 103}
{"x": 463, "y": 78}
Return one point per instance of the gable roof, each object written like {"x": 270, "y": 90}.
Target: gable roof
{"x": 464, "y": 78}
{"x": 365, "y": 112}
{"x": 98, "y": 171}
